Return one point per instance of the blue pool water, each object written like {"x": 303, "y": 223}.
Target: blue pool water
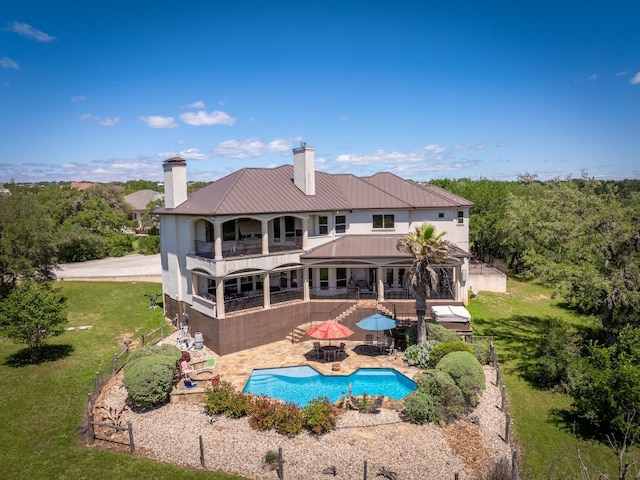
{"x": 301, "y": 384}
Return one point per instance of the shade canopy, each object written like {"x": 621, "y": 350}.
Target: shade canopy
{"x": 329, "y": 329}
{"x": 378, "y": 322}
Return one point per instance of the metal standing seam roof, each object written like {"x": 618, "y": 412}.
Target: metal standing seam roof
{"x": 365, "y": 246}
{"x": 271, "y": 190}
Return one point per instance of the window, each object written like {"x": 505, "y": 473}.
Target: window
{"x": 246, "y": 284}
{"x": 311, "y": 278}
{"x": 276, "y": 229}
{"x": 229, "y": 230}
{"x": 389, "y": 280}
{"x": 289, "y": 227}
{"x": 208, "y": 232}
{"x": 460, "y": 217}
{"x": 383, "y": 221}
{"x": 231, "y": 286}
{"x": 440, "y": 215}
{"x": 341, "y": 277}
{"x": 323, "y": 225}
{"x": 401, "y": 272}
{"x": 324, "y": 279}
{"x": 341, "y": 223}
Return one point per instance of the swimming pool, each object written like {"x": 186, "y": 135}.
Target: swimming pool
{"x": 301, "y": 384}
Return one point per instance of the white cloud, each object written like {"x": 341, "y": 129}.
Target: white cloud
{"x": 156, "y": 121}
{"x": 435, "y": 148}
{"x": 246, "y": 148}
{"x": 593, "y": 77}
{"x": 6, "y": 62}
{"x": 106, "y": 122}
{"x": 202, "y": 117}
{"x": 28, "y": 31}
{"x": 279, "y": 145}
{"x": 198, "y": 104}
{"x": 636, "y": 79}
{"x": 78, "y": 98}
{"x": 188, "y": 154}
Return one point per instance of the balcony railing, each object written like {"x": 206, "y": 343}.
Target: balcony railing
{"x": 246, "y": 247}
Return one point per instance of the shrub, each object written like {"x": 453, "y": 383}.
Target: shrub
{"x": 240, "y": 405}
{"x": 264, "y": 414}
{"x": 482, "y": 351}
{"x": 78, "y": 245}
{"x": 149, "y": 379}
{"x": 149, "y": 245}
{"x": 554, "y": 355}
{"x": 448, "y": 398}
{"x": 442, "y": 349}
{"x": 320, "y": 416}
{"x": 164, "y": 350}
{"x": 219, "y": 398}
{"x": 419, "y": 407}
{"x": 289, "y": 419}
{"x": 467, "y": 373}
{"x": 119, "y": 244}
{"x": 437, "y": 332}
{"x": 418, "y": 355}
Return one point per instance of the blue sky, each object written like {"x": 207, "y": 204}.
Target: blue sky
{"x": 105, "y": 91}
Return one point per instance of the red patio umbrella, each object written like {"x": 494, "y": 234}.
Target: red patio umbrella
{"x": 329, "y": 329}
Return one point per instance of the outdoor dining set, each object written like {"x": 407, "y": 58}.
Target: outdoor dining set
{"x": 330, "y": 329}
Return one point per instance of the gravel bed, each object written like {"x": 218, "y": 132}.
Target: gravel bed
{"x": 171, "y": 434}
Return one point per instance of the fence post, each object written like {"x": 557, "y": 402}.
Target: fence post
{"x": 130, "y": 428}
{"x": 280, "y": 469}
{"x": 456, "y": 475}
{"x": 503, "y": 390}
{"x": 90, "y": 432}
{"x": 115, "y": 363}
{"x": 142, "y": 339}
{"x": 507, "y": 427}
{"x": 515, "y": 469}
{"x": 498, "y": 379}
{"x": 201, "y": 452}
{"x": 365, "y": 470}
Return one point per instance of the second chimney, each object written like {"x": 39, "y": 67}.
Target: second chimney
{"x": 304, "y": 175}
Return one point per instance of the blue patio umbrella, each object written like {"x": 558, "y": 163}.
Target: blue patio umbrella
{"x": 378, "y": 322}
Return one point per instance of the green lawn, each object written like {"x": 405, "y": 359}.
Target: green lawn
{"x": 41, "y": 406}
{"x": 516, "y": 320}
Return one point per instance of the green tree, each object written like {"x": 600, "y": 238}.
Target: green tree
{"x": 428, "y": 248}
{"x": 579, "y": 237}
{"x": 31, "y": 313}
{"x": 26, "y": 240}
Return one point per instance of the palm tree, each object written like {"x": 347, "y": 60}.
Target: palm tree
{"x": 428, "y": 248}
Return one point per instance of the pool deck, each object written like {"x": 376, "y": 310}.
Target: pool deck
{"x": 237, "y": 367}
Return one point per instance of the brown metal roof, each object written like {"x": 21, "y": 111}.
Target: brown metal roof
{"x": 364, "y": 246}
{"x": 271, "y": 190}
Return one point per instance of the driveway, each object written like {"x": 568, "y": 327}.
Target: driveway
{"x": 138, "y": 268}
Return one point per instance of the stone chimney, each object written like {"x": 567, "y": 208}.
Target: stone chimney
{"x": 175, "y": 182}
{"x": 304, "y": 174}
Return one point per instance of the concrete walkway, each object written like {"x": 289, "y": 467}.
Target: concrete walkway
{"x": 130, "y": 268}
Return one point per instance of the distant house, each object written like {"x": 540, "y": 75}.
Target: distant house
{"x": 253, "y": 255}
{"x": 82, "y": 185}
{"x": 139, "y": 201}
{"x": 4, "y": 190}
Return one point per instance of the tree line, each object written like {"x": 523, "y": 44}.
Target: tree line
{"x": 581, "y": 236}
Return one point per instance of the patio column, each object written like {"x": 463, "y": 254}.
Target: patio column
{"x": 266, "y": 290}
{"x": 380, "y": 276}
{"x": 219, "y": 297}
{"x": 305, "y": 233}
{"x": 264, "y": 225}
{"x": 217, "y": 239}
{"x": 305, "y": 284}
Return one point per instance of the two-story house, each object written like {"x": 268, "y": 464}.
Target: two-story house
{"x": 252, "y": 256}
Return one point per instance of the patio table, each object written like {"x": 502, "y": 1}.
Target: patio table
{"x": 330, "y": 351}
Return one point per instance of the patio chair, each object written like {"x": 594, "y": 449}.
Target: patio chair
{"x": 185, "y": 369}
{"x": 317, "y": 349}
{"x": 368, "y": 342}
{"x": 389, "y": 348}
{"x": 342, "y": 351}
